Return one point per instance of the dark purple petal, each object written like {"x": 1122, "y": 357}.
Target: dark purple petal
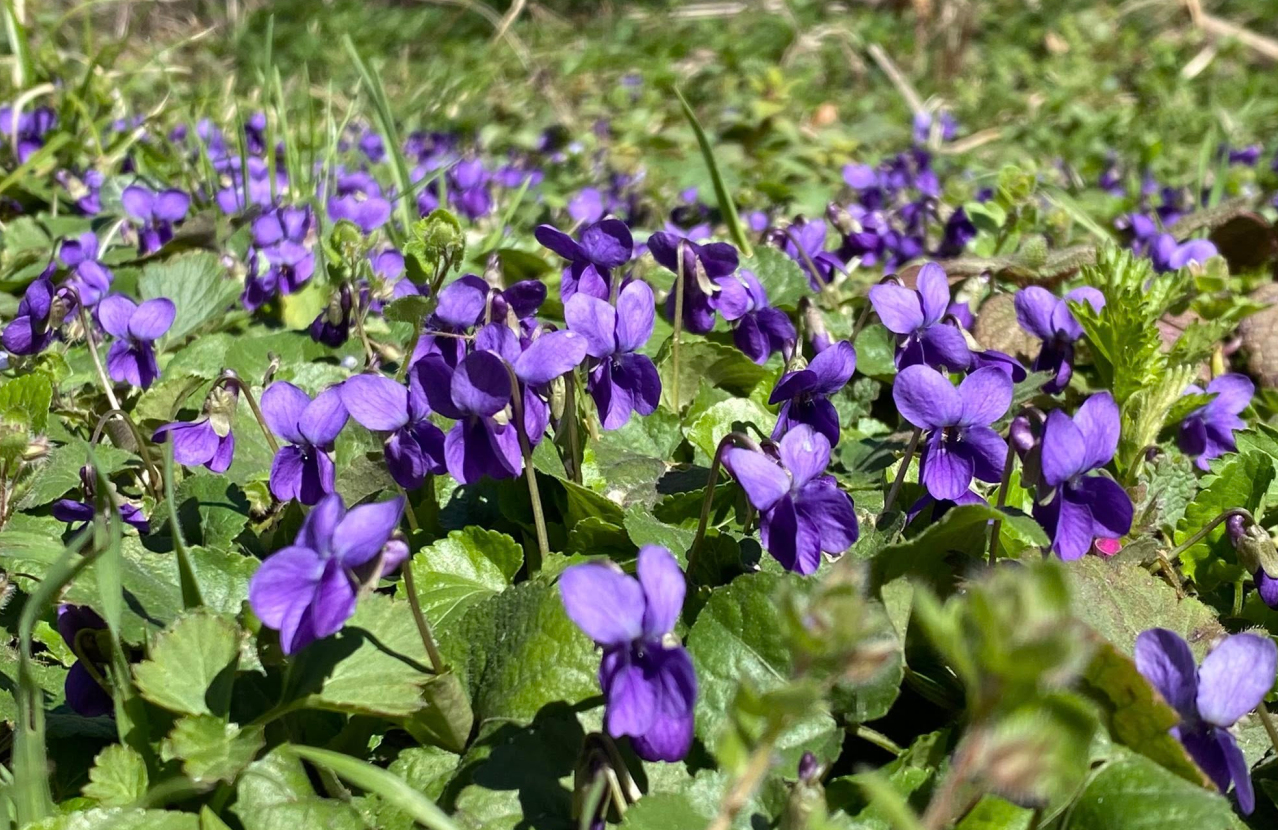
{"x": 1238, "y": 768}
{"x": 499, "y": 339}
{"x": 637, "y": 374}
{"x": 1235, "y": 677}
{"x": 85, "y": 697}
{"x": 1164, "y": 659}
{"x": 282, "y": 407}
{"x": 831, "y": 511}
{"x": 1034, "y": 308}
{"x": 170, "y": 205}
{"x": 604, "y": 603}
{"x": 376, "y": 402}
{"x": 632, "y": 700}
{"x": 137, "y": 201}
{"x": 1074, "y": 528}
{"x": 1109, "y": 504}
{"x": 1064, "y": 449}
{"x": 194, "y": 444}
{"x": 286, "y": 472}
{"x": 764, "y": 481}
{"x": 481, "y": 385}
{"x": 833, "y": 367}
{"x": 462, "y": 302}
{"x": 670, "y": 736}
{"x": 364, "y": 530}
{"x": 946, "y": 471}
{"x": 559, "y": 242}
{"x": 20, "y": 338}
{"x": 69, "y": 510}
{"x": 435, "y": 377}
{"x": 794, "y": 384}
{"x": 123, "y": 365}
{"x": 793, "y": 540}
{"x": 333, "y": 604}
{"x": 550, "y": 355}
{"x": 608, "y": 244}
{"x": 987, "y": 450}
{"x": 944, "y": 346}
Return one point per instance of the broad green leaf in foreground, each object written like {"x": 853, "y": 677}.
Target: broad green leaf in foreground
{"x": 191, "y": 666}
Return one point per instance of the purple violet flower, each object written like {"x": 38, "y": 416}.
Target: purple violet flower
{"x": 1208, "y": 432}
{"x": 1232, "y": 681}
{"x": 72, "y": 511}
{"x": 332, "y": 326}
{"x": 359, "y": 200}
{"x": 648, "y": 681}
{"x": 804, "y": 395}
{"x": 155, "y": 214}
{"x": 40, "y": 313}
{"x": 1082, "y": 507}
{"x": 136, "y": 327}
{"x": 303, "y": 470}
{"x": 804, "y": 513}
{"x": 197, "y": 443}
{"x": 1168, "y": 255}
{"x": 760, "y": 329}
{"x": 479, "y": 444}
{"x": 958, "y": 443}
{"x": 622, "y": 381}
{"x": 282, "y": 258}
{"x": 804, "y": 242}
{"x": 604, "y": 246}
{"x": 415, "y": 446}
{"x": 30, "y": 130}
{"x": 90, "y": 279}
{"x": 78, "y": 624}
{"x": 587, "y": 206}
{"x": 308, "y": 591}
{"x": 702, "y": 266}
{"x": 1047, "y": 317}
{"x": 916, "y": 318}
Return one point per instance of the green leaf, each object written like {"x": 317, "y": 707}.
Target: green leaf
{"x": 192, "y": 664}
{"x": 703, "y": 361}
{"x": 212, "y": 750}
{"x": 464, "y": 568}
{"x": 1241, "y": 481}
{"x": 724, "y": 417}
{"x": 376, "y": 780}
{"x": 411, "y": 309}
{"x": 376, "y": 665}
{"x": 196, "y": 283}
{"x": 1122, "y": 599}
{"x": 1137, "y": 716}
{"x": 1134, "y": 793}
{"x": 275, "y": 793}
{"x": 60, "y": 472}
{"x": 119, "y": 819}
{"x": 517, "y": 652}
{"x": 212, "y": 510}
{"x": 780, "y": 276}
{"x": 26, "y": 400}
{"x": 876, "y": 352}
{"x": 960, "y": 529}
{"x": 118, "y": 777}
{"x": 738, "y": 639}
{"x": 726, "y": 206}
{"x": 427, "y": 769}
{"x": 445, "y": 719}
{"x": 300, "y": 308}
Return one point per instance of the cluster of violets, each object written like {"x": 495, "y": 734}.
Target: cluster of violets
{"x": 473, "y": 398}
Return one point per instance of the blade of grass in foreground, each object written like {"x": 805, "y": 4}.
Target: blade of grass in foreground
{"x": 23, "y": 65}
{"x": 726, "y": 207}
{"x": 377, "y": 780}
{"x": 386, "y": 121}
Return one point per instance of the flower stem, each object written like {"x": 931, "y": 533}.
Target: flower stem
{"x": 743, "y": 789}
{"x": 570, "y": 426}
{"x": 229, "y": 376}
{"x": 192, "y": 596}
{"x": 1268, "y": 722}
{"x": 732, "y": 438}
{"x": 534, "y": 494}
{"x": 678, "y": 327}
{"x": 97, "y": 359}
{"x": 1208, "y": 528}
{"x": 900, "y": 473}
{"x": 402, "y": 372}
{"x": 155, "y": 480}
{"x": 861, "y": 320}
{"x": 877, "y": 738}
{"x": 414, "y": 604}
{"x": 1003, "y": 487}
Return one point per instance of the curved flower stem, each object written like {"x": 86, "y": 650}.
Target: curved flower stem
{"x": 229, "y": 376}
{"x": 414, "y": 604}
{"x": 97, "y": 359}
{"x": 807, "y": 260}
{"x": 155, "y": 480}
{"x": 732, "y": 438}
{"x": 1003, "y": 487}
{"x": 861, "y": 320}
{"x": 1208, "y": 528}
{"x": 900, "y": 473}
{"x": 192, "y": 596}
{"x": 534, "y": 494}
{"x": 402, "y": 371}
{"x": 361, "y": 309}
{"x": 678, "y": 327}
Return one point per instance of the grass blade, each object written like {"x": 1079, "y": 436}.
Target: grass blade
{"x": 377, "y": 780}
{"x": 386, "y": 121}
{"x": 726, "y": 207}
{"x": 23, "y": 65}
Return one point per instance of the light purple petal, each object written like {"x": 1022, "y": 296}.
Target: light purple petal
{"x": 333, "y": 604}
{"x": 376, "y": 402}
{"x": 595, "y": 320}
{"x": 988, "y": 452}
{"x": 607, "y": 244}
{"x": 152, "y": 319}
{"x": 946, "y": 472}
{"x": 1064, "y": 449}
{"x": 663, "y": 586}
{"x": 632, "y": 701}
{"x": 550, "y": 355}
{"x": 287, "y": 473}
{"x": 944, "y": 346}
{"x": 481, "y": 385}
{"x": 323, "y": 418}
{"x": 321, "y": 523}
{"x": 1034, "y": 307}
{"x": 1074, "y": 527}
{"x": 1233, "y": 393}
{"x": 282, "y": 406}
{"x": 805, "y": 453}
{"x": 436, "y": 380}
{"x": 636, "y": 310}
{"x": 604, "y": 603}
{"x": 282, "y": 589}
{"x": 899, "y": 308}
{"x": 986, "y": 394}
{"x": 365, "y": 530}
{"x": 831, "y": 511}
{"x": 934, "y": 292}
{"x": 462, "y": 302}
{"x": 1097, "y": 420}
{"x": 137, "y": 202}
{"x": 926, "y": 398}
{"x": 1235, "y": 677}
{"x": 834, "y": 367}
{"x": 1239, "y": 771}
{"x": 114, "y": 313}
{"x": 122, "y": 363}
{"x": 1164, "y": 659}
{"x": 170, "y": 205}
{"x": 499, "y": 339}
{"x": 762, "y": 478}
{"x": 1087, "y": 294}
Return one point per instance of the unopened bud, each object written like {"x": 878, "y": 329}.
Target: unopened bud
{"x": 1253, "y": 544}
{"x": 219, "y": 407}
{"x": 839, "y": 217}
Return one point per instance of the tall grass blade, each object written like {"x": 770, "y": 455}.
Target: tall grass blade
{"x": 726, "y": 207}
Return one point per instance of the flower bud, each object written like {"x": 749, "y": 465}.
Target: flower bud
{"x": 1254, "y": 546}
{"x": 839, "y": 217}
{"x": 219, "y": 407}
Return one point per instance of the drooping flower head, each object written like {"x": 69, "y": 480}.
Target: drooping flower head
{"x": 303, "y": 470}
{"x": 474, "y": 394}
{"x": 135, "y": 327}
{"x": 604, "y": 246}
{"x": 308, "y": 591}
{"x": 621, "y": 380}
{"x": 30, "y": 130}
{"x": 332, "y": 326}
{"x": 702, "y": 266}
{"x": 1232, "y": 680}
{"x": 958, "y": 444}
{"x": 90, "y": 279}
{"x": 1169, "y": 255}
{"x": 1208, "y": 432}
{"x": 206, "y": 441}
{"x": 916, "y": 317}
{"x": 415, "y": 446}
{"x": 40, "y": 313}
{"x": 1080, "y": 507}
{"x": 804, "y": 513}
{"x": 154, "y": 214}
{"x": 648, "y": 681}
{"x": 760, "y": 330}
{"x": 804, "y": 242}
{"x": 78, "y": 626}
{"x": 1047, "y": 317}
{"x": 78, "y": 513}
{"x": 805, "y": 395}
